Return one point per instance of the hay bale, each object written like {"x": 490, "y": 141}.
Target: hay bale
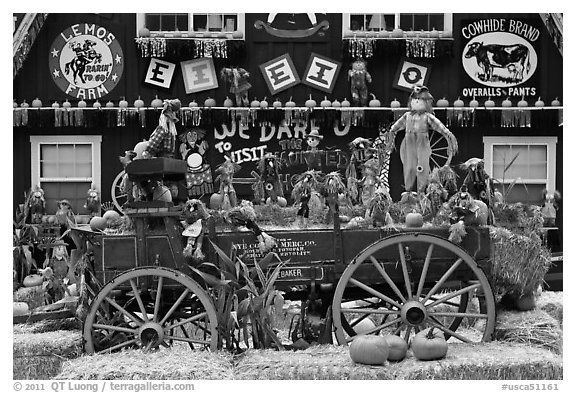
{"x": 552, "y": 303}
{"x": 40, "y": 355}
{"x": 179, "y": 363}
{"x": 519, "y": 263}
{"x": 535, "y": 328}
{"x": 498, "y": 361}
{"x": 48, "y": 325}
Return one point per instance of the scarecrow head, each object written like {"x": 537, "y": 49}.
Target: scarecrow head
{"x": 170, "y": 108}
{"x": 420, "y": 99}
{"x": 313, "y": 138}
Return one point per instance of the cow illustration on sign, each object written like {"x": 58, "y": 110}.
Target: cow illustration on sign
{"x": 514, "y": 58}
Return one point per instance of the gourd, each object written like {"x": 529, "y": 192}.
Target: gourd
{"x": 209, "y": 102}
{"x": 81, "y": 104}
{"x": 139, "y": 103}
{"x": 526, "y": 302}
{"x": 489, "y": 103}
{"x": 374, "y": 102}
{"x": 369, "y": 349}
{"x": 345, "y": 103}
{"x": 397, "y": 33}
{"x": 193, "y": 104}
{"x": 397, "y": 347}
{"x": 228, "y": 102}
{"x": 215, "y": 201}
{"x": 507, "y": 103}
{"x": 20, "y": 308}
{"x": 556, "y": 102}
{"x": 66, "y": 104}
{"x": 458, "y": 103}
{"x": 123, "y": 103}
{"x": 414, "y": 220}
{"x": 32, "y": 280}
{"x": 336, "y": 104}
{"x": 144, "y": 32}
{"x": 325, "y": 103}
{"x": 539, "y": 103}
{"x": 111, "y": 216}
{"x": 474, "y": 103}
{"x": 429, "y": 345}
{"x": 277, "y": 103}
{"x": 442, "y": 102}
{"x": 98, "y": 223}
{"x": 264, "y": 103}
{"x": 523, "y": 103}
{"x": 55, "y": 104}
{"x": 109, "y": 104}
{"x": 36, "y": 103}
{"x": 97, "y": 104}
{"x": 395, "y": 104}
{"x": 255, "y": 103}
{"x": 310, "y": 103}
{"x": 156, "y": 102}
{"x": 290, "y": 103}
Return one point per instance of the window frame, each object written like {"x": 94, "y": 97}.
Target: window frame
{"x": 448, "y": 22}
{"x": 549, "y": 141}
{"x": 240, "y": 17}
{"x": 36, "y": 142}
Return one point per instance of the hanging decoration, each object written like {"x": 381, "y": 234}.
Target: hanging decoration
{"x": 151, "y": 47}
{"x": 411, "y": 47}
{"x": 190, "y": 48}
{"x": 211, "y": 48}
{"x": 361, "y": 47}
{"x": 421, "y": 47}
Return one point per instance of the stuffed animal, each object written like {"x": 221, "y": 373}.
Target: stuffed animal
{"x": 162, "y": 142}
{"x": 359, "y": 78}
{"x": 92, "y": 203}
{"x": 415, "y": 150}
{"x": 239, "y": 85}
{"x": 245, "y": 215}
{"x": 465, "y": 211}
{"x": 306, "y": 185}
{"x": 361, "y": 150}
{"x": 225, "y": 176}
{"x": 550, "y": 207}
{"x": 269, "y": 183}
{"x": 195, "y": 214}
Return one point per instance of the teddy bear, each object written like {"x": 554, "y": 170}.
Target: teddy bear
{"x": 359, "y": 78}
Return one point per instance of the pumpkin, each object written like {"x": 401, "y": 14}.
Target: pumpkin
{"x": 97, "y": 104}
{"x": 215, "y": 201}
{"x": 507, "y": 103}
{"x": 98, "y": 223}
{"x": 162, "y": 193}
{"x": 123, "y": 103}
{"x": 193, "y": 104}
{"x": 434, "y": 33}
{"x": 264, "y": 103}
{"x": 277, "y": 103}
{"x": 14, "y": 104}
{"x": 539, "y": 103}
{"x": 474, "y": 103}
{"x": 363, "y": 325}
{"x": 255, "y": 103}
{"x": 237, "y": 35}
{"x": 66, "y": 104}
{"x": 139, "y": 149}
{"x": 395, "y": 103}
{"x": 290, "y": 103}
{"x": 24, "y": 104}
{"x": 81, "y": 104}
{"x": 397, "y": 33}
{"x": 209, "y": 102}
{"x": 414, "y": 220}
{"x": 397, "y": 347}
{"x": 310, "y": 103}
{"x": 526, "y": 302}
{"x": 228, "y": 102}
{"x": 139, "y": 103}
{"x": 556, "y": 102}
{"x": 369, "y": 349}
{"x": 325, "y": 103}
{"x": 36, "y": 103}
{"x": 489, "y": 103}
{"x": 383, "y": 34}
{"x": 20, "y": 308}
{"x": 458, "y": 103}
{"x": 442, "y": 102}
{"x": 523, "y": 103}
{"x": 374, "y": 102}
{"x": 282, "y": 202}
{"x": 109, "y": 104}
{"x": 144, "y": 32}
{"x": 411, "y": 33}
{"x": 429, "y": 345}
{"x": 336, "y": 104}
{"x": 111, "y": 215}
{"x": 345, "y": 103}
{"x": 156, "y": 102}
{"x": 32, "y": 280}
{"x": 54, "y": 105}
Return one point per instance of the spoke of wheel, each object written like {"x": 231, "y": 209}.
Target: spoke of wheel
{"x": 115, "y": 328}
{"x": 442, "y": 280}
{"x": 359, "y": 319}
{"x": 123, "y": 311}
{"x": 174, "y": 306}
{"x": 405, "y": 270}
{"x": 437, "y": 141}
{"x": 126, "y": 343}
{"x": 424, "y": 270}
{"x": 188, "y": 340}
{"x": 374, "y": 292}
{"x": 378, "y": 328}
{"x": 398, "y": 330}
{"x": 440, "y": 155}
{"x": 139, "y": 300}
{"x": 450, "y": 332}
{"x": 185, "y": 321}
{"x": 158, "y": 295}
{"x": 435, "y": 162}
{"x": 454, "y": 294}
{"x": 368, "y": 311}
{"x": 187, "y": 336}
{"x": 457, "y": 314}
{"x": 407, "y": 334}
{"x": 382, "y": 271}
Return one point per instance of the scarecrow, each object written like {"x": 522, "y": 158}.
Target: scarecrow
{"x": 35, "y": 207}
{"x": 370, "y": 181}
{"x": 415, "y": 150}
{"x": 162, "y": 142}
{"x": 227, "y": 193}
{"x": 313, "y": 156}
{"x": 195, "y": 214}
{"x": 359, "y": 79}
{"x": 465, "y": 211}
{"x": 550, "y": 207}
{"x": 92, "y": 203}
{"x": 64, "y": 214}
{"x": 269, "y": 183}
{"x": 193, "y": 150}
{"x": 378, "y": 208}
{"x": 332, "y": 187}
{"x": 57, "y": 271}
{"x": 361, "y": 150}
{"x": 239, "y": 85}
{"x": 306, "y": 184}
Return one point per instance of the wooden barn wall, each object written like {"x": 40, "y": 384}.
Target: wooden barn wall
{"x": 447, "y": 79}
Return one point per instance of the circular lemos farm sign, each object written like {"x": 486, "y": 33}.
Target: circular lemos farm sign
{"x": 86, "y": 61}
{"x": 499, "y": 59}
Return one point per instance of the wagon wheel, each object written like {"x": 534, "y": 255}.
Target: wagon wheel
{"x": 147, "y": 308}
{"x": 442, "y": 286}
{"x": 441, "y": 155}
{"x": 118, "y": 197}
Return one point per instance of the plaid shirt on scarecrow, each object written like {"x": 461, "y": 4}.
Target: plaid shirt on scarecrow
{"x": 162, "y": 143}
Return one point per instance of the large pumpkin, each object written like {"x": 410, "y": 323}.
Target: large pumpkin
{"x": 20, "y": 308}
{"x": 282, "y": 202}
{"x": 98, "y": 223}
{"x": 429, "y": 344}
{"x": 369, "y": 349}
{"x": 526, "y": 302}
{"x": 397, "y": 347}
{"x": 162, "y": 193}
{"x": 111, "y": 216}
{"x": 414, "y": 220}
{"x": 215, "y": 201}
{"x": 32, "y": 280}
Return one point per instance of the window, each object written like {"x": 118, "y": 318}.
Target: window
{"x": 534, "y": 169}
{"x": 65, "y": 167}
{"x": 191, "y": 22}
{"x": 389, "y": 22}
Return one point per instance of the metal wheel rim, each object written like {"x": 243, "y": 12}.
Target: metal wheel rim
{"x": 189, "y": 285}
{"x": 118, "y": 197}
{"x": 487, "y": 308}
